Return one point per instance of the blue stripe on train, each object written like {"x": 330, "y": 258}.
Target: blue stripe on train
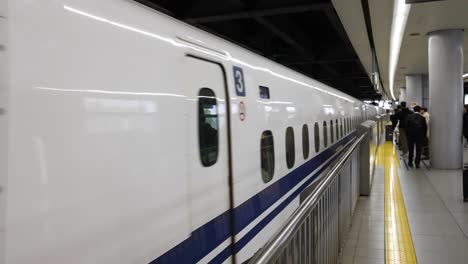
{"x": 209, "y": 236}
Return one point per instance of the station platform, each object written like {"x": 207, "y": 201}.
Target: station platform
{"x": 411, "y": 216}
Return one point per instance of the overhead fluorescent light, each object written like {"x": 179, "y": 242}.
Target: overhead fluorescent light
{"x": 421, "y": 1}
{"x": 400, "y": 17}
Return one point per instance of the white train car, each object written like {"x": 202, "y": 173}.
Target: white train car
{"x": 129, "y": 137}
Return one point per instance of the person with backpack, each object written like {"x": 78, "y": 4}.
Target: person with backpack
{"x": 416, "y": 129}
{"x": 402, "y": 116}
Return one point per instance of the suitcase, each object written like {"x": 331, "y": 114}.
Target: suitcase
{"x": 388, "y": 133}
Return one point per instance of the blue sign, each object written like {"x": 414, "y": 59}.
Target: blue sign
{"x": 239, "y": 81}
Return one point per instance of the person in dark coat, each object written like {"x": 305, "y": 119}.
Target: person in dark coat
{"x": 394, "y": 117}
{"x": 465, "y": 125}
{"x": 402, "y": 116}
{"x": 416, "y": 129}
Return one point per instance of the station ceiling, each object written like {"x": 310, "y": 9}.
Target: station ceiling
{"x": 423, "y": 18}
{"x": 305, "y": 35}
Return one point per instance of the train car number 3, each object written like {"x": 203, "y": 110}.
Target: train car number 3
{"x": 239, "y": 81}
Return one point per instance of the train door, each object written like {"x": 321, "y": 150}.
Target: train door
{"x": 209, "y": 176}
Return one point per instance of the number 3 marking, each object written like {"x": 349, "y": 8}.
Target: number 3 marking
{"x": 239, "y": 81}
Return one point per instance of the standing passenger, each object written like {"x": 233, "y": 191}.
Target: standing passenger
{"x": 394, "y": 117}
{"x": 425, "y": 151}
{"x": 402, "y": 116}
{"x": 416, "y": 129}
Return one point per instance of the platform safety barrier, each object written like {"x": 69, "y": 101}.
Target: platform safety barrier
{"x": 311, "y": 235}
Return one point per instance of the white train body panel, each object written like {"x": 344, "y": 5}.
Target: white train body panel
{"x": 99, "y": 147}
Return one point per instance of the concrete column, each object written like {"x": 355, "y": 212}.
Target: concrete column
{"x": 402, "y": 95}
{"x": 414, "y": 90}
{"x": 446, "y": 98}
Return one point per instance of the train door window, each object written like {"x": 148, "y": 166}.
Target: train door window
{"x": 332, "y": 133}
{"x": 290, "y": 148}
{"x": 325, "y": 134}
{"x": 305, "y": 141}
{"x": 267, "y": 156}
{"x": 317, "y": 137}
{"x": 207, "y": 126}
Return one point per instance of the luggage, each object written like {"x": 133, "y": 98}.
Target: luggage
{"x": 389, "y": 133}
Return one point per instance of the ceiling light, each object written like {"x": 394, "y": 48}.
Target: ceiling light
{"x": 400, "y": 17}
{"x": 421, "y": 1}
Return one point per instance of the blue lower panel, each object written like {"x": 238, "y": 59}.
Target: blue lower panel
{"x": 212, "y": 234}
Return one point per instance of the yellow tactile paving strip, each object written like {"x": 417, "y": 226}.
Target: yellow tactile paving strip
{"x": 398, "y": 242}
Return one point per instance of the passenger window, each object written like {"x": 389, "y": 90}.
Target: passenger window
{"x": 267, "y": 156}
{"x": 290, "y": 149}
{"x": 305, "y": 141}
{"x": 346, "y": 126}
{"x": 337, "y": 129}
{"x": 207, "y": 127}
{"x": 325, "y": 134}
{"x": 317, "y": 137}
{"x": 332, "y": 133}
{"x": 341, "y": 128}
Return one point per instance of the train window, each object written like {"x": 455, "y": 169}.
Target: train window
{"x": 337, "y": 129}
{"x": 332, "y": 133}
{"x": 346, "y": 125}
{"x": 317, "y": 137}
{"x": 267, "y": 156}
{"x": 207, "y": 126}
{"x": 290, "y": 148}
{"x": 341, "y": 128}
{"x": 305, "y": 141}
{"x": 264, "y": 92}
{"x": 325, "y": 134}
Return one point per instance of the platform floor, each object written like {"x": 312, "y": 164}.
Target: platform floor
{"x": 436, "y": 213}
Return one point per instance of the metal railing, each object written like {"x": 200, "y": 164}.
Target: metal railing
{"x": 311, "y": 233}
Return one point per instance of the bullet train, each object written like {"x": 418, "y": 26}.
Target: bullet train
{"x": 127, "y": 136}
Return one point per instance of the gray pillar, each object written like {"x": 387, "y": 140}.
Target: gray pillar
{"x": 414, "y": 90}
{"x": 446, "y": 98}
{"x": 402, "y": 95}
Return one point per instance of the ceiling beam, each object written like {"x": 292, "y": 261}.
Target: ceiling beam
{"x": 281, "y": 34}
{"x": 260, "y": 13}
{"x": 308, "y": 61}
{"x": 336, "y": 23}
{"x": 343, "y": 78}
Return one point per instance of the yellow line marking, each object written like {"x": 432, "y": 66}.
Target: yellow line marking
{"x": 398, "y": 242}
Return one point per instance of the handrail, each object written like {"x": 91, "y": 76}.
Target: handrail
{"x": 273, "y": 248}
